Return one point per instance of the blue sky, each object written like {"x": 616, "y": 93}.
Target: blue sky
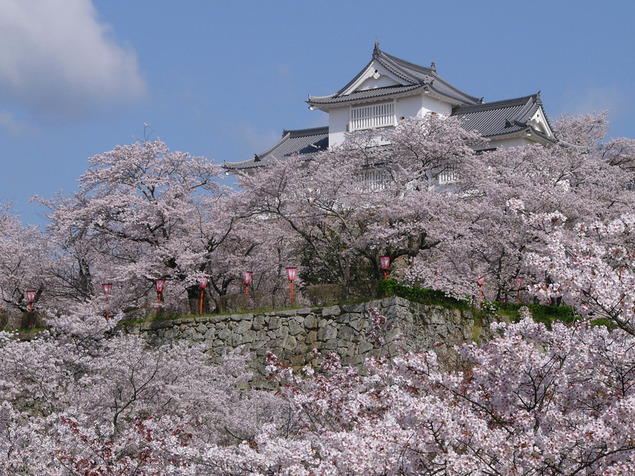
{"x": 222, "y": 79}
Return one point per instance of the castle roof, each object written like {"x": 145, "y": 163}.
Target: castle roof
{"x": 387, "y": 76}
{"x": 407, "y": 78}
{"x": 504, "y": 117}
{"x": 305, "y": 142}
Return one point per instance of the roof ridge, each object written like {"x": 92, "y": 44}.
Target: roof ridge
{"x": 429, "y": 72}
{"x": 309, "y": 131}
{"x": 383, "y": 58}
{"x": 406, "y": 63}
{"x": 493, "y": 105}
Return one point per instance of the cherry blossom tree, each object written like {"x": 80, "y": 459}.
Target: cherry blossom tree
{"x": 346, "y": 207}
{"x": 24, "y": 261}
{"x": 591, "y": 266}
{"x": 143, "y": 212}
{"x": 582, "y": 180}
{"x": 82, "y": 398}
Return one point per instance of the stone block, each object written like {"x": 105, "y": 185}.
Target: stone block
{"x": 331, "y": 311}
{"x": 224, "y": 335}
{"x": 310, "y": 322}
{"x": 330, "y": 345}
{"x": 241, "y": 317}
{"x": 281, "y": 333}
{"x": 356, "y": 321}
{"x": 243, "y": 327}
{"x": 218, "y": 318}
{"x": 345, "y": 350}
{"x": 374, "y": 304}
{"x": 296, "y": 327}
{"x": 272, "y": 322}
{"x": 346, "y": 333}
{"x": 289, "y": 343}
{"x": 191, "y": 335}
{"x": 394, "y": 301}
{"x": 398, "y": 313}
{"x": 364, "y": 348}
{"x": 305, "y": 311}
{"x": 287, "y": 313}
{"x": 248, "y": 337}
{"x": 326, "y": 333}
{"x": 258, "y": 322}
{"x": 359, "y": 308}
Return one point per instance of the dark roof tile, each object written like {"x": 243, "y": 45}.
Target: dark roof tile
{"x": 300, "y": 141}
{"x": 499, "y": 117}
{"x": 414, "y": 76}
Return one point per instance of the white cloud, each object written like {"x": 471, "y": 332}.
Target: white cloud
{"x": 57, "y": 61}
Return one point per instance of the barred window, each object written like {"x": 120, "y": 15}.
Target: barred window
{"x": 448, "y": 175}
{"x": 371, "y": 116}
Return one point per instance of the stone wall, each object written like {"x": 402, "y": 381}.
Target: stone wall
{"x": 292, "y": 334}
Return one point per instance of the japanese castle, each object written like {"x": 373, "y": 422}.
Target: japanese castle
{"x": 388, "y": 90}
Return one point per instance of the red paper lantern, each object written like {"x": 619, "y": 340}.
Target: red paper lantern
{"x": 30, "y": 296}
{"x": 291, "y": 275}
{"x": 202, "y": 284}
{"x": 160, "y": 284}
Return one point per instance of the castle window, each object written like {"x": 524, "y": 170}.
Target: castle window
{"x": 448, "y": 175}
{"x": 371, "y": 116}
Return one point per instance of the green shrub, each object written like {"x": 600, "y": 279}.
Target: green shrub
{"x": 425, "y": 296}
{"x": 541, "y": 313}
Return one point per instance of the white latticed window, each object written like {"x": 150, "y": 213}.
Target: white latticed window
{"x": 448, "y": 175}
{"x": 374, "y": 115}
{"x": 372, "y": 180}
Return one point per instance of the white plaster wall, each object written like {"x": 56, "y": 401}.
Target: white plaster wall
{"x": 372, "y": 83}
{"x": 368, "y": 81}
{"x": 408, "y": 107}
{"x": 511, "y": 142}
{"x": 338, "y": 120}
{"x": 430, "y": 104}
{"x": 418, "y": 106}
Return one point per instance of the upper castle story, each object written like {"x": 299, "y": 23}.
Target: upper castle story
{"x": 389, "y": 90}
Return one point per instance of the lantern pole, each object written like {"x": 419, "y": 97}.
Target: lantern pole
{"x": 480, "y": 289}
{"x": 247, "y": 276}
{"x": 202, "y": 283}
{"x": 291, "y": 275}
{"x": 519, "y": 283}
{"x": 437, "y": 276}
{"x": 107, "y": 291}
